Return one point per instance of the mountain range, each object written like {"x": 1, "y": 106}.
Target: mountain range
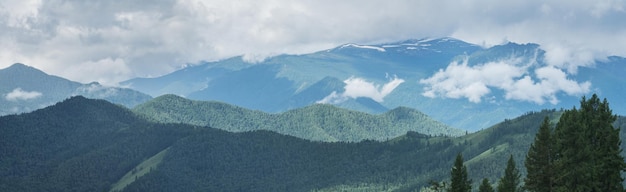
{"x": 352, "y": 118}
{"x": 460, "y": 84}
{"x": 83, "y": 144}
{"x": 24, "y": 89}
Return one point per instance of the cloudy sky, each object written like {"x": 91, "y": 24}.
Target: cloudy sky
{"x": 111, "y": 41}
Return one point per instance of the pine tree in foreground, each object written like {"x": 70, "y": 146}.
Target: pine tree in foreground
{"x": 540, "y": 161}
{"x": 485, "y": 186}
{"x": 511, "y": 179}
{"x": 587, "y": 149}
{"x": 459, "y": 181}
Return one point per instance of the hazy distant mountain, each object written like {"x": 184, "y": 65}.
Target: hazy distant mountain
{"x": 320, "y": 122}
{"x": 24, "y": 88}
{"x": 460, "y": 84}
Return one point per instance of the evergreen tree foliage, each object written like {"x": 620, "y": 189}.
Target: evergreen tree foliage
{"x": 485, "y": 186}
{"x": 572, "y": 155}
{"x": 459, "y": 181}
{"x": 540, "y": 160}
{"x": 588, "y": 149}
{"x": 511, "y": 179}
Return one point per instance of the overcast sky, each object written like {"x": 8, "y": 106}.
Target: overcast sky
{"x": 110, "y": 41}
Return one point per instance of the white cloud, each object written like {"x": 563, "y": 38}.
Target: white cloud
{"x": 472, "y": 82}
{"x": 551, "y": 81}
{"x": 573, "y": 33}
{"x": 358, "y": 87}
{"x": 99, "y": 70}
{"x": 568, "y": 58}
{"x": 459, "y": 80}
{"x": 333, "y": 98}
{"x": 153, "y": 38}
{"x": 19, "y": 13}
{"x": 19, "y": 94}
{"x": 96, "y": 90}
{"x": 556, "y": 79}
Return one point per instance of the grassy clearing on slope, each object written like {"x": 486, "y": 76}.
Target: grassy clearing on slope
{"x": 490, "y": 153}
{"x": 139, "y": 171}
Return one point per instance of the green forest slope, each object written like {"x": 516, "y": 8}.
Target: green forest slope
{"x": 77, "y": 145}
{"x": 317, "y": 122}
{"x": 91, "y": 145}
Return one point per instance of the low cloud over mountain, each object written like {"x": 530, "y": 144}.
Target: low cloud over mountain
{"x": 359, "y": 87}
{"x": 19, "y": 94}
{"x": 111, "y": 41}
{"x": 520, "y": 79}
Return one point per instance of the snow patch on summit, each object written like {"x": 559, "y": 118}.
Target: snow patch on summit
{"x": 364, "y": 47}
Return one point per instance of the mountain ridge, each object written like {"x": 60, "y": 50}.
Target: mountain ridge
{"x": 315, "y": 122}
{"x": 25, "y": 88}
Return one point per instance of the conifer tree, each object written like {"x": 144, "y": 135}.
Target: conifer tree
{"x": 587, "y": 149}
{"x": 605, "y": 142}
{"x": 540, "y": 161}
{"x": 459, "y": 181}
{"x": 485, "y": 186}
{"x": 511, "y": 179}
{"x": 572, "y": 154}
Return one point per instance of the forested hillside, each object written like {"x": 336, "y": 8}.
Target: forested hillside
{"x": 77, "y": 145}
{"x": 317, "y": 122}
{"x": 92, "y": 145}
